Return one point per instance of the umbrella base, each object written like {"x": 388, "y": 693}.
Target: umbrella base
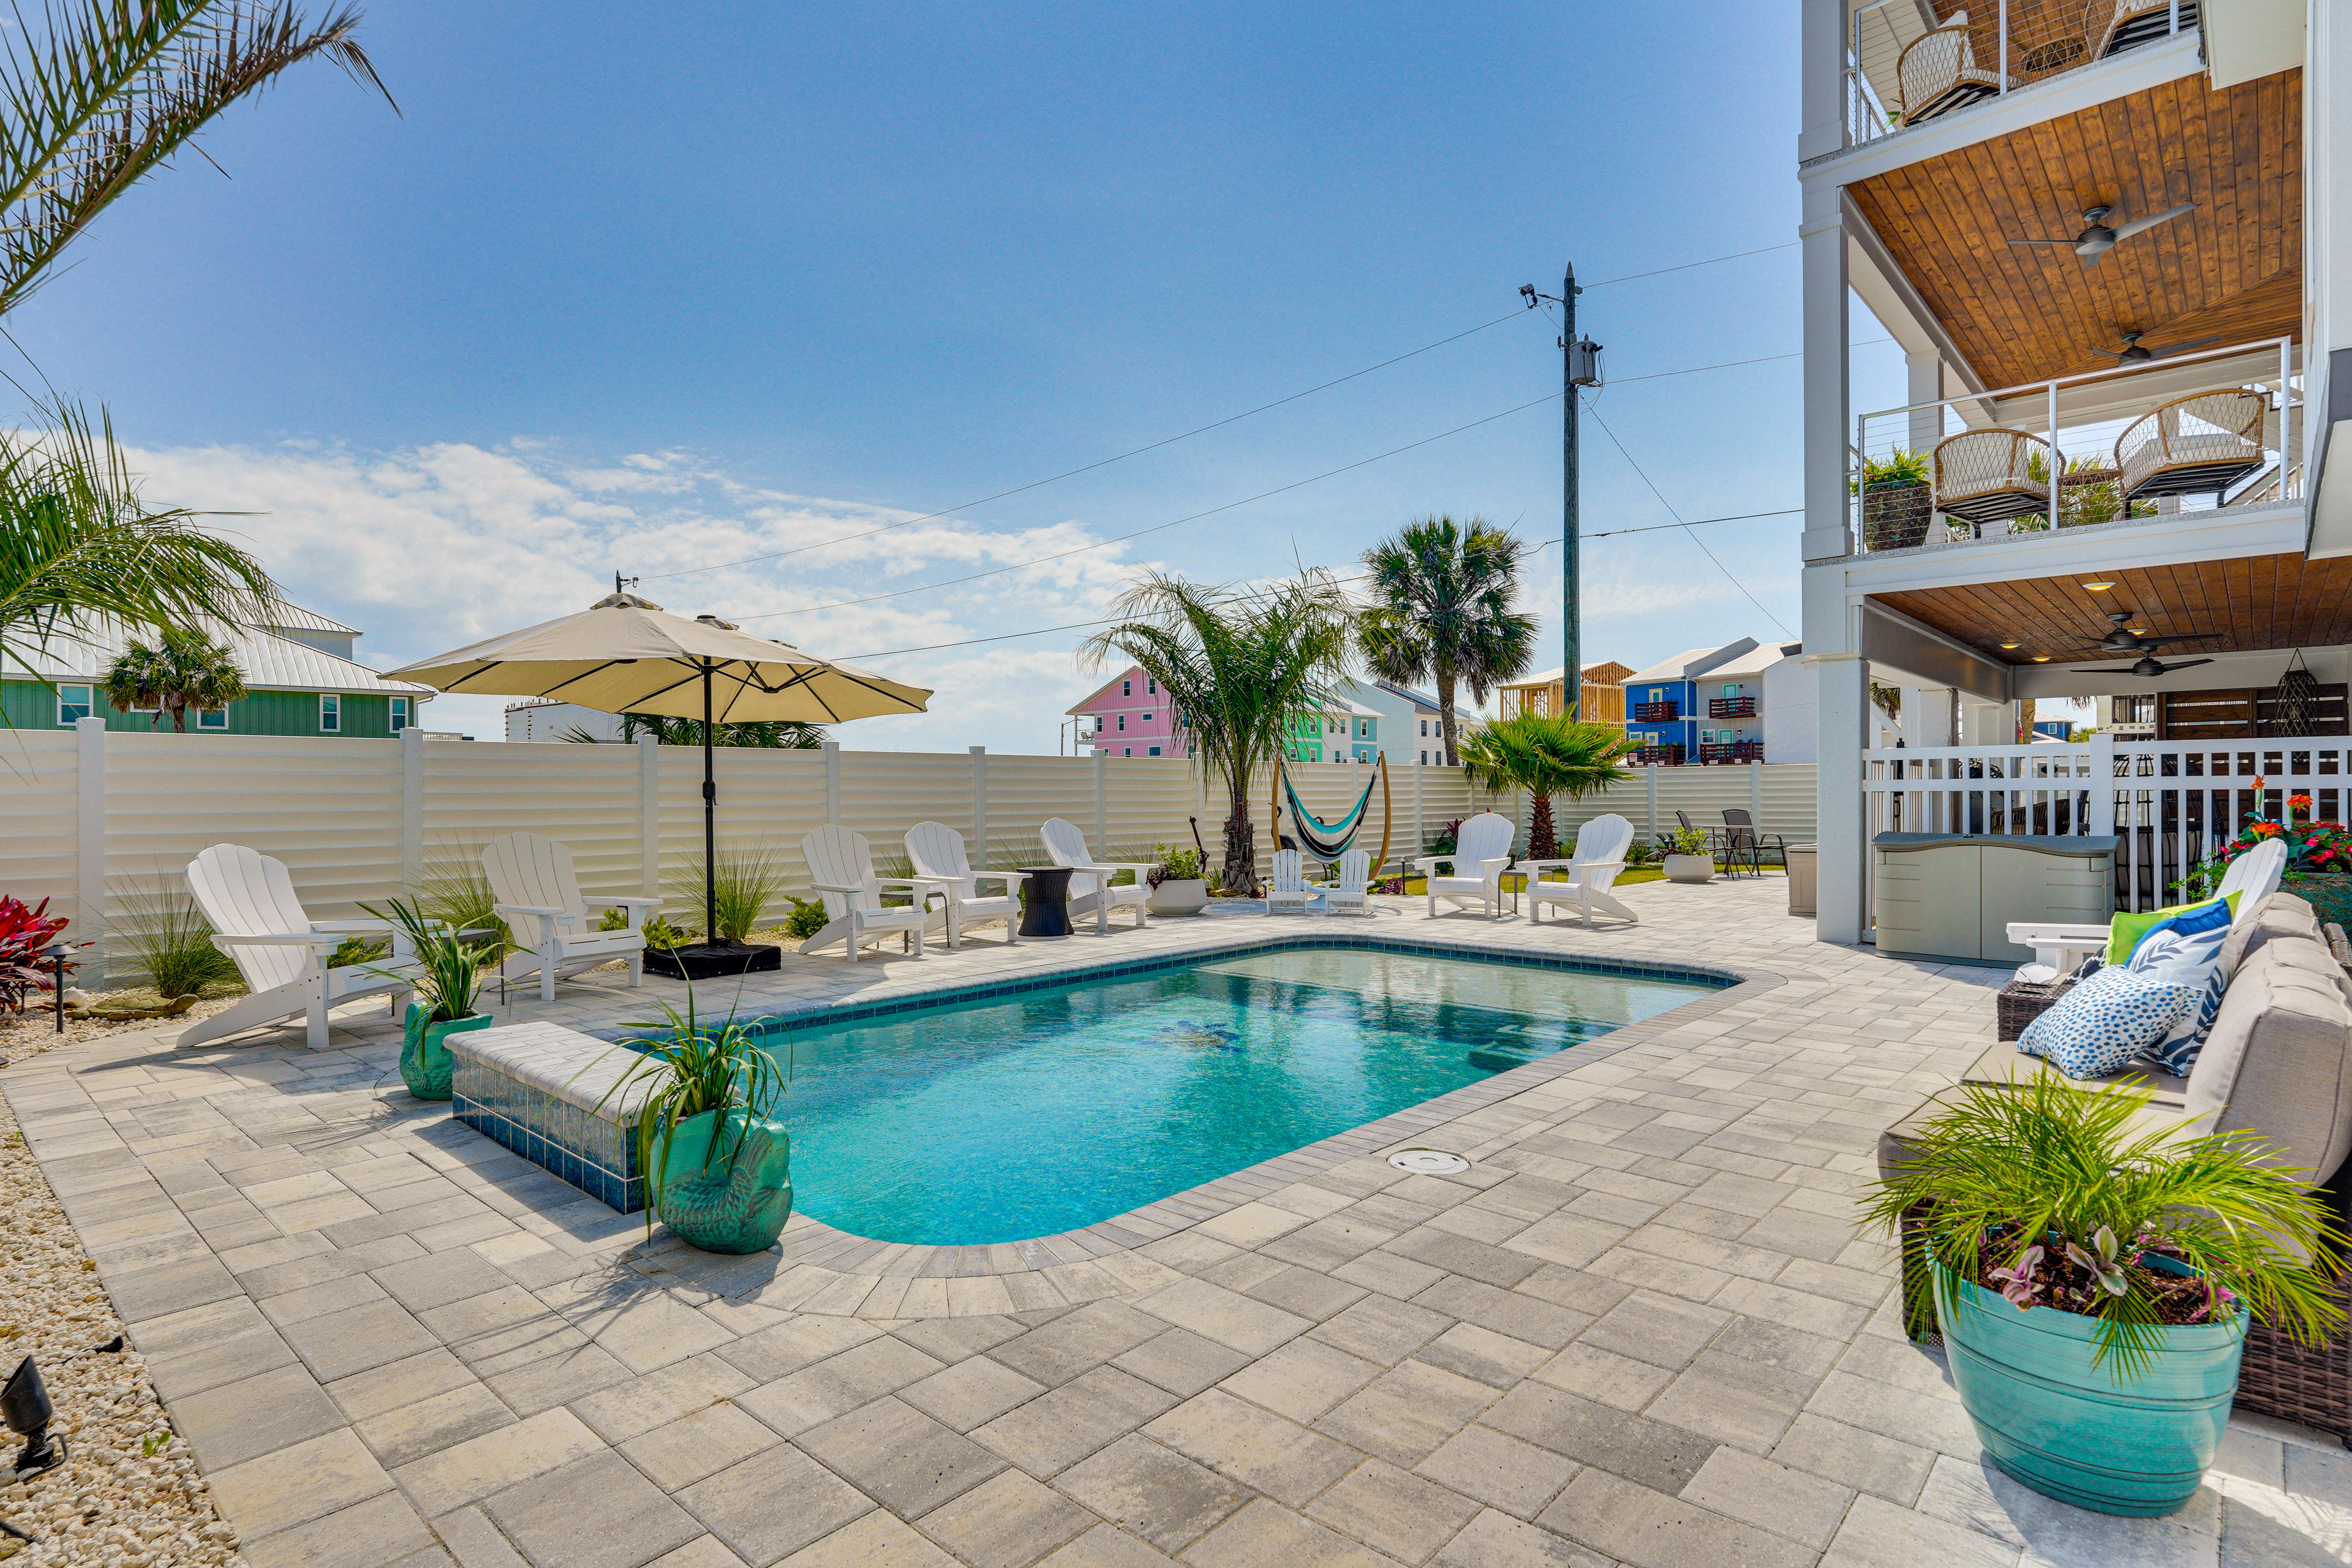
{"x": 710, "y": 959}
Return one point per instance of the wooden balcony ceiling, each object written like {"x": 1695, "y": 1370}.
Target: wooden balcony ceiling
{"x": 2232, "y": 269}
{"x": 2255, "y": 602}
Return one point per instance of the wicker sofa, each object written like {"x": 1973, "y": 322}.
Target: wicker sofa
{"x": 2278, "y": 1062}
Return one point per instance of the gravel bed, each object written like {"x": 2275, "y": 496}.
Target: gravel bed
{"x": 129, "y": 1494}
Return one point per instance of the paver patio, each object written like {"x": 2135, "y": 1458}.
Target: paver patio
{"x": 1640, "y": 1329}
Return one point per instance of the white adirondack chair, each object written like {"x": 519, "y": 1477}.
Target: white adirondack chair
{"x": 1287, "y": 888}
{"x": 1090, "y": 889}
{"x": 257, "y": 920}
{"x": 841, "y": 867}
{"x": 1483, "y": 846}
{"x": 935, "y": 852}
{"x": 2060, "y": 949}
{"x": 1593, "y": 867}
{"x": 538, "y": 896}
{"x": 1350, "y": 886}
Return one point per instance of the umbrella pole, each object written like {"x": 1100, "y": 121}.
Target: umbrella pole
{"x": 709, "y": 824}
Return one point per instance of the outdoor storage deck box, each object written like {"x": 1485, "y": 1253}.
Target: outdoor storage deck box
{"x": 1952, "y": 895}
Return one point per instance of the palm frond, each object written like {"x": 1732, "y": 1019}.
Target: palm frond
{"x": 96, "y": 95}
{"x": 1440, "y": 609}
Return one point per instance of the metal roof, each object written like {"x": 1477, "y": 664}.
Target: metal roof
{"x": 288, "y": 618}
{"x": 269, "y": 662}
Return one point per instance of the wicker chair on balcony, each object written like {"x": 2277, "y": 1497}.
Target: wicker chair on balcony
{"x": 2192, "y": 445}
{"x": 1938, "y": 72}
{"x": 2138, "y": 22}
{"x": 1987, "y": 476}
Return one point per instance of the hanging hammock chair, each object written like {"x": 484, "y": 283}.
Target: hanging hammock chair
{"x": 1327, "y": 841}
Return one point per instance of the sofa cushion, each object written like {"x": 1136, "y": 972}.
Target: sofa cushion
{"x": 2105, "y": 1021}
{"x": 2277, "y": 1061}
{"x": 2004, "y": 1063}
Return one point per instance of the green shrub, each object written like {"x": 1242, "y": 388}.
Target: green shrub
{"x": 175, "y": 945}
{"x": 807, "y": 919}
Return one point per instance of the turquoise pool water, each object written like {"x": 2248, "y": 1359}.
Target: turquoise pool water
{"x": 1049, "y": 1109}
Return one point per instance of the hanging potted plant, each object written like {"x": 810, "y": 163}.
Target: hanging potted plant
{"x": 2093, "y": 1281}
{"x": 716, "y": 1168}
{"x": 1180, "y": 883}
{"x": 448, "y": 971}
{"x": 1690, "y": 858}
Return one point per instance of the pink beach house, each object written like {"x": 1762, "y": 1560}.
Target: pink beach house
{"x": 1131, "y": 719}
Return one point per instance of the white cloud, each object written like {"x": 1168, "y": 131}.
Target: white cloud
{"x": 434, "y": 547}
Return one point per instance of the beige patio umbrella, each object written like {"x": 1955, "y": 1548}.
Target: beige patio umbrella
{"x": 627, "y": 655}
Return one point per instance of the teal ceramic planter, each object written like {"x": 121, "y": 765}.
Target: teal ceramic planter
{"x": 425, "y": 1064}
{"x": 2075, "y": 1432}
{"x": 721, "y": 1205}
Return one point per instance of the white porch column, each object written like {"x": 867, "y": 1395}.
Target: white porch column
{"x": 1925, "y": 374}
{"x": 1842, "y": 915}
{"x": 89, "y": 853}
{"x": 1828, "y": 417}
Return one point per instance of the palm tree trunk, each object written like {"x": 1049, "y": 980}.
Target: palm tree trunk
{"x": 1240, "y": 874}
{"x": 1542, "y": 844}
{"x": 1445, "y": 715}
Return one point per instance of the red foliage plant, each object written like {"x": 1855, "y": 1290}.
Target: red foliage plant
{"x": 24, "y": 933}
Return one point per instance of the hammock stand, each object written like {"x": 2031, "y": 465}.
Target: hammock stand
{"x": 1327, "y": 841}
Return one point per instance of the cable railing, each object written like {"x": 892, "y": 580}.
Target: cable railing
{"x": 2188, "y": 430}
{"x": 1910, "y": 61}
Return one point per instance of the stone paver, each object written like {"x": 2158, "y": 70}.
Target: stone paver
{"x": 1639, "y": 1330}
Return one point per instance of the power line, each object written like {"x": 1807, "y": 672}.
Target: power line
{"x": 1104, "y": 462}
{"x": 1678, "y": 519}
{"x": 1687, "y": 266}
{"x": 1695, "y": 522}
{"x": 1123, "y": 537}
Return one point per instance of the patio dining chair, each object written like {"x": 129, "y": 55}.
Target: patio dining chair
{"x": 1989, "y": 475}
{"x": 1938, "y": 72}
{"x": 2193, "y": 444}
{"x": 1751, "y": 845}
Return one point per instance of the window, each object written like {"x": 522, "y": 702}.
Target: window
{"x": 1424, "y": 729}
{"x": 1122, "y": 720}
{"x": 73, "y": 704}
{"x": 1146, "y": 718}
{"x": 1657, "y": 694}
{"x": 400, "y": 715}
{"x": 1154, "y": 752}
{"x": 1129, "y": 752}
{"x": 217, "y": 718}
{"x": 331, "y": 713}
{"x": 1127, "y": 688}
{"x": 1152, "y": 686}
{"x": 1731, "y": 690}
{"x": 1424, "y": 756}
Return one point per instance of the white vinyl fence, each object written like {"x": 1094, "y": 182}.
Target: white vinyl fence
{"x": 101, "y": 824}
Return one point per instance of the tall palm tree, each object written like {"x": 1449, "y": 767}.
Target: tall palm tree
{"x": 76, "y": 543}
{"x": 1441, "y": 610}
{"x": 1547, "y": 754}
{"x": 1236, "y": 664}
{"x": 771, "y": 734}
{"x": 104, "y": 92}
{"x": 182, "y": 668}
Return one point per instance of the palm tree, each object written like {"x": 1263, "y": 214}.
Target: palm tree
{"x": 109, "y": 91}
{"x": 183, "y": 670}
{"x": 773, "y": 734}
{"x": 1236, "y": 664}
{"x": 1547, "y": 754}
{"x": 1441, "y": 610}
{"x": 77, "y": 543}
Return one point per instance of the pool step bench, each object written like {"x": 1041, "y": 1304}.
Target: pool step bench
{"x": 547, "y": 1093}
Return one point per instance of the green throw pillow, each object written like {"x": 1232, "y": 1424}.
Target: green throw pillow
{"x": 2127, "y": 926}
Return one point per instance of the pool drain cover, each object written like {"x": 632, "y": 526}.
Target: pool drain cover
{"x": 1429, "y": 1162}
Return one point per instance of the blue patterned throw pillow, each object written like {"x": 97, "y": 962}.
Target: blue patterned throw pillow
{"x": 2186, "y": 950}
{"x": 2098, "y": 1026}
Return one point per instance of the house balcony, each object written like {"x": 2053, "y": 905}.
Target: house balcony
{"x": 1669, "y": 755}
{"x": 1902, "y": 68}
{"x": 1731, "y": 752}
{"x": 1656, "y": 712}
{"x": 1731, "y": 708}
{"x": 2201, "y": 430}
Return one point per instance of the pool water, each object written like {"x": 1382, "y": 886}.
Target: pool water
{"x": 1050, "y": 1110}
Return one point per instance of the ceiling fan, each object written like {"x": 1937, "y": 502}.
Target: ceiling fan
{"x": 2136, "y": 352}
{"x": 2148, "y": 669}
{"x": 2098, "y": 236}
{"x": 2123, "y": 639}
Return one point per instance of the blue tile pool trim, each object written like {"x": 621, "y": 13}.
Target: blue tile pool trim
{"x": 593, "y": 1153}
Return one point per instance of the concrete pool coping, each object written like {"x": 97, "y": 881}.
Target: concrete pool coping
{"x": 1104, "y": 1259}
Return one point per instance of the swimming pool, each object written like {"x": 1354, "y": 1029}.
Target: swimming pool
{"x": 966, "y": 1123}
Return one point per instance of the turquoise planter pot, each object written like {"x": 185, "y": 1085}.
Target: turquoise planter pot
{"x": 721, "y": 1205}
{"x": 2073, "y": 1431}
{"x": 425, "y": 1064}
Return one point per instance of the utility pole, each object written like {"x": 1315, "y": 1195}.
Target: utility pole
{"x": 1580, "y": 366}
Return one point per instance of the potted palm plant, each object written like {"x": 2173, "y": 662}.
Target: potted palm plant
{"x": 718, "y": 1169}
{"x": 1690, "y": 858}
{"x": 448, "y": 974}
{"x": 2093, "y": 1281}
{"x": 1180, "y": 882}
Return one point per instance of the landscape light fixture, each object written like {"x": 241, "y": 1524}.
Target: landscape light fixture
{"x": 25, "y": 1406}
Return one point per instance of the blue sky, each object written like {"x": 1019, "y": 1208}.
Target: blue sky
{"x": 653, "y": 290}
